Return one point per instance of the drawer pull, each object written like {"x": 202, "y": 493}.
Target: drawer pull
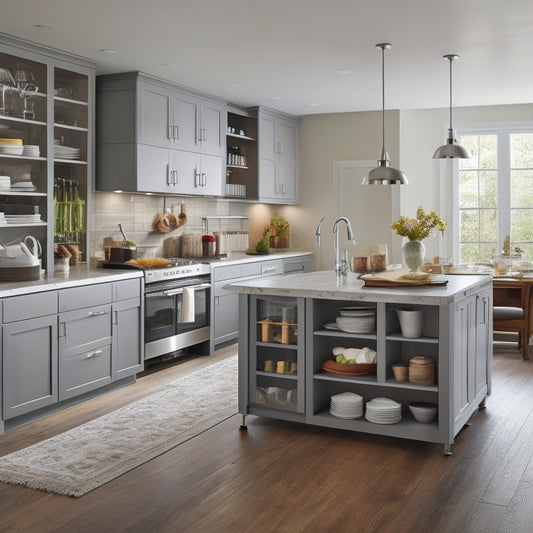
{"x": 96, "y": 353}
{"x": 96, "y": 313}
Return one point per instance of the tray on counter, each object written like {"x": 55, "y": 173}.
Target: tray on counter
{"x": 392, "y": 278}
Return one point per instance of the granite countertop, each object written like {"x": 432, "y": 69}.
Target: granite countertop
{"x": 325, "y": 285}
{"x": 75, "y": 277}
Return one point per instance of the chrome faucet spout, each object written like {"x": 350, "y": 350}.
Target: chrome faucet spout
{"x": 341, "y": 268}
{"x": 317, "y": 232}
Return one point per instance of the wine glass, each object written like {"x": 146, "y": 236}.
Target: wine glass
{"x": 7, "y": 83}
{"x": 25, "y": 81}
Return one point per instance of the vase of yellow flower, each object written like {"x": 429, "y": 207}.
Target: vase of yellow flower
{"x": 417, "y": 229}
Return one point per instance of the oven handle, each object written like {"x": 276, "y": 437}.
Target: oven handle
{"x": 199, "y": 287}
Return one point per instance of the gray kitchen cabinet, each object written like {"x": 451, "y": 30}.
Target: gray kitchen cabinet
{"x": 58, "y": 122}
{"x": 297, "y": 264}
{"x": 153, "y": 136}
{"x": 58, "y": 345}
{"x": 128, "y": 329}
{"x": 29, "y": 353}
{"x": 278, "y": 157}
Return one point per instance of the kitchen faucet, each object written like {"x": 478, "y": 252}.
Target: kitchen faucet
{"x": 317, "y": 232}
{"x": 341, "y": 268}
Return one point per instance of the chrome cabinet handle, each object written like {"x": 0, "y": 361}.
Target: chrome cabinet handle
{"x": 168, "y": 174}
{"x": 96, "y": 353}
{"x": 170, "y": 133}
{"x": 204, "y": 180}
{"x": 96, "y": 313}
{"x": 176, "y": 133}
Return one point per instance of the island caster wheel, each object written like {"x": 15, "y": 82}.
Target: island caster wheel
{"x": 243, "y": 426}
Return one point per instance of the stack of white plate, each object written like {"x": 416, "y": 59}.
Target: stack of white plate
{"x": 66, "y": 152}
{"x": 346, "y": 405}
{"x": 23, "y": 186}
{"x": 31, "y": 150}
{"x": 11, "y": 149}
{"x": 383, "y": 411}
{"x": 23, "y": 219}
{"x": 357, "y": 319}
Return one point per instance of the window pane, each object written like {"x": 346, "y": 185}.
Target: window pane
{"x": 469, "y": 253}
{"x": 488, "y": 188}
{"x": 468, "y": 191}
{"x": 470, "y": 143}
{"x": 521, "y": 150}
{"x": 469, "y": 225}
{"x": 521, "y": 188}
{"x": 488, "y": 230}
{"x": 486, "y": 251}
{"x": 521, "y": 225}
{"x": 488, "y": 151}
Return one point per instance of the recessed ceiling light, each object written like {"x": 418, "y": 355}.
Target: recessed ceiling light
{"x": 342, "y": 71}
{"x": 276, "y": 97}
{"x": 233, "y": 85}
{"x": 169, "y": 64}
{"x": 312, "y": 105}
{"x": 107, "y": 51}
{"x": 44, "y": 26}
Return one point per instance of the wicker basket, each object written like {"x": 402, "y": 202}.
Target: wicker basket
{"x": 422, "y": 370}
{"x": 20, "y": 273}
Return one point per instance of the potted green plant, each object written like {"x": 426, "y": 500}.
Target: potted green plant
{"x": 279, "y": 232}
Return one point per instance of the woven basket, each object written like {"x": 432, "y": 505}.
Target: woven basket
{"x": 422, "y": 370}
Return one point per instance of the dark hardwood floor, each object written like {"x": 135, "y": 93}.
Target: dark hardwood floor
{"x": 287, "y": 477}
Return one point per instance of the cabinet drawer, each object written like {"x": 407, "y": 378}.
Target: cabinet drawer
{"x": 30, "y": 306}
{"x": 84, "y": 328}
{"x": 228, "y": 272}
{"x": 84, "y": 371}
{"x": 123, "y": 290}
{"x": 87, "y": 296}
{"x": 272, "y": 268}
{"x": 251, "y": 269}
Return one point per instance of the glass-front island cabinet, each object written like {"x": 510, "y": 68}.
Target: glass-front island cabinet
{"x": 293, "y": 327}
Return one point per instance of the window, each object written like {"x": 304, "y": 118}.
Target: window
{"x": 495, "y": 194}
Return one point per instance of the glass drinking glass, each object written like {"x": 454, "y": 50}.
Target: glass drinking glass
{"x": 7, "y": 84}
{"x": 25, "y": 81}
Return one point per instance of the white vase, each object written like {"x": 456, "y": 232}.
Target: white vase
{"x": 413, "y": 254}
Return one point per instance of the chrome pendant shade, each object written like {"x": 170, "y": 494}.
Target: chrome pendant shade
{"x": 384, "y": 174}
{"x": 451, "y": 149}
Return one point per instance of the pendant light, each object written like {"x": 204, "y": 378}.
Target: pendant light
{"x": 384, "y": 174}
{"x": 451, "y": 149}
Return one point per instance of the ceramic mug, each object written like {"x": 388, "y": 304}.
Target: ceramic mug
{"x": 411, "y": 322}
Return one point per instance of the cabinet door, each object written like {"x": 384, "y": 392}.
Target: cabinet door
{"x": 184, "y": 123}
{"x": 185, "y": 168}
{"x": 226, "y": 317}
{"x": 154, "y": 125}
{"x": 154, "y": 170}
{"x": 211, "y": 175}
{"x": 267, "y": 138}
{"x": 211, "y": 129}
{"x": 29, "y": 368}
{"x": 128, "y": 338}
{"x": 286, "y": 149}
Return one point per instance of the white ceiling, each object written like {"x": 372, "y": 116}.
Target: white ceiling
{"x": 286, "y": 53}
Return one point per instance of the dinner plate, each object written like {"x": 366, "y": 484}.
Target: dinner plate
{"x": 349, "y": 370}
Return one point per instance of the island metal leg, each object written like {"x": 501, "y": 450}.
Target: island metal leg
{"x": 447, "y": 449}
{"x": 243, "y": 425}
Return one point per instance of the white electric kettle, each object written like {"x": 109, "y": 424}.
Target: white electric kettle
{"x": 19, "y": 255}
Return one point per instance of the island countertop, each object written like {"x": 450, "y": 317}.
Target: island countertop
{"x": 326, "y": 285}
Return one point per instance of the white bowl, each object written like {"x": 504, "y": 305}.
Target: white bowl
{"x": 423, "y": 412}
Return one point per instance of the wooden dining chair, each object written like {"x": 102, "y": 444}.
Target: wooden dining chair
{"x": 515, "y": 316}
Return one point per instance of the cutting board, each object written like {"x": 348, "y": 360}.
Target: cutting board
{"x": 393, "y": 278}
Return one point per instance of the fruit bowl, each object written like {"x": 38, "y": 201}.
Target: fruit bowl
{"x": 348, "y": 370}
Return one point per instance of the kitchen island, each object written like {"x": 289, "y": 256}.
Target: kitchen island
{"x": 288, "y": 331}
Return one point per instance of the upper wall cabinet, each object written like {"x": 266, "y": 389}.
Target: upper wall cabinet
{"x": 153, "y": 136}
{"x": 46, "y": 146}
{"x": 278, "y": 157}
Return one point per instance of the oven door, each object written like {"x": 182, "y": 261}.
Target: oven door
{"x": 192, "y": 307}
{"x": 160, "y": 315}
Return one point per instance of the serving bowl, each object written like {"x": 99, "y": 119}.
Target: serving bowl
{"x": 423, "y": 412}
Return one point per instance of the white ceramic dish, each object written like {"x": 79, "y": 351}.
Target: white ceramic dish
{"x": 423, "y": 412}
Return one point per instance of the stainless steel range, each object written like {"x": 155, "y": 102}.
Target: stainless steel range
{"x": 176, "y": 307}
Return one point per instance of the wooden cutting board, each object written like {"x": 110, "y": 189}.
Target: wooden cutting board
{"x": 393, "y": 278}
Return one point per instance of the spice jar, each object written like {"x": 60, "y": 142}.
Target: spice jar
{"x": 208, "y": 245}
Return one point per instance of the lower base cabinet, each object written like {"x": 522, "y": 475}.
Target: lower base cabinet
{"x": 57, "y": 345}
{"x": 281, "y": 374}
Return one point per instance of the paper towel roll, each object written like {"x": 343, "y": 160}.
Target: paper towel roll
{"x": 187, "y": 305}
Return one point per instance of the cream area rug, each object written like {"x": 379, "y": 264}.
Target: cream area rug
{"x": 80, "y": 460}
